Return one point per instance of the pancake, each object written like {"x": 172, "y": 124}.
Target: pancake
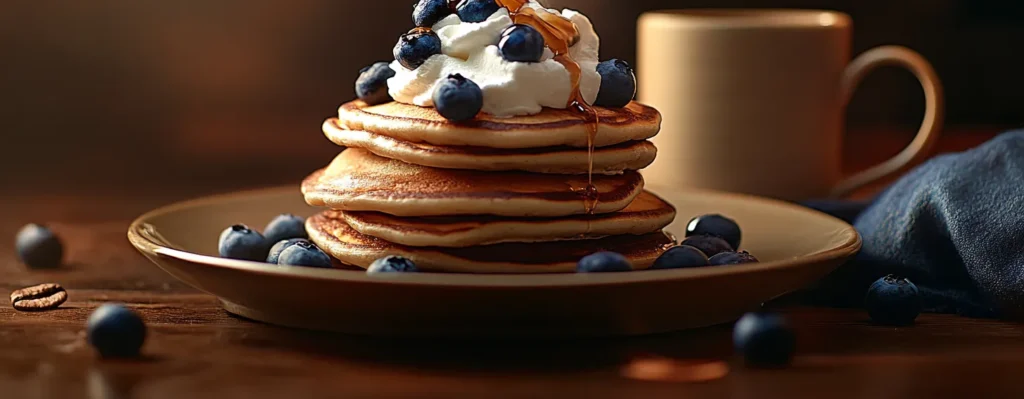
{"x": 358, "y": 180}
{"x": 646, "y": 214}
{"x": 330, "y": 233}
{"x": 550, "y": 128}
{"x": 630, "y": 155}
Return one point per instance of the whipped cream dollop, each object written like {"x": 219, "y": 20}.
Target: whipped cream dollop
{"x": 510, "y": 88}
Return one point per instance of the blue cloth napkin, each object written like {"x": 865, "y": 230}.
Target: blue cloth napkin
{"x": 954, "y": 226}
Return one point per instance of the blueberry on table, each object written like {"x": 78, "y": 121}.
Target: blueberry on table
{"x": 893, "y": 301}
{"x": 709, "y": 245}
{"x": 38, "y": 247}
{"x": 521, "y": 43}
{"x": 115, "y": 331}
{"x": 680, "y": 257}
{"x": 285, "y": 227}
{"x": 476, "y": 10}
{"x": 275, "y": 251}
{"x": 458, "y": 99}
{"x": 618, "y": 84}
{"x": 764, "y": 339}
{"x": 715, "y": 225}
{"x": 392, "y": 264}
{"x": 242, "y": 243}
{"x": 603, "y": 262}
{"x": 415, "y": 47}
{"x": 304, "y": 253}
{"x": 426, "y": 13}
{"x": 372, "y": 84}
{"x": 732, "y": 258}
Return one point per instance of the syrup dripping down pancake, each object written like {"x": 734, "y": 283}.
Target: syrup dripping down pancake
{"x": 550, "y": 128}
{"x": 631, "y": 155}
{"x": 358, "y": 180}
{"x": 646, "y": 214}
{"x": 338, "y": 239}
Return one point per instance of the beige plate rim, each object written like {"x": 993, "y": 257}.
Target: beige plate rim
{"x": 140, "y": 234}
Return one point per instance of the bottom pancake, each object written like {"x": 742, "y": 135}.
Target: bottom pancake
{"x": 340, "y": 240}
{"x": 646, "y": 214}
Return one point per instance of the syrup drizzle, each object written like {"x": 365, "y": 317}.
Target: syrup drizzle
{"x": 560, "y": 34}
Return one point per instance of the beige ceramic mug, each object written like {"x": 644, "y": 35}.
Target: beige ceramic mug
{"x": 754, "y": 100}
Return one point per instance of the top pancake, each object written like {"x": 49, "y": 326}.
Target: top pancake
{"x": 358, "y": 180}
{"x": 551, "y": 127}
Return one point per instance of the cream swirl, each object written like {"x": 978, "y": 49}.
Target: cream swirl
{"x": 510, "y": 88}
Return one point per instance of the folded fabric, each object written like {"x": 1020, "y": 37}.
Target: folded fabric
{"x": 954, "y": 226}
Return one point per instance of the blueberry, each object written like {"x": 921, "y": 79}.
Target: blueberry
{"x": 275, "y": 251}
{"x": 458, "y": 99}
{"x": 304, "y": 253}
{"x": 241, "y": 242}
{"x": 372, "y": 84}
{"x": 618, "y": 84}
{"x": 426, "y": 13}
{"x": 521, "y": 43}
{"x": 415, "y": 47}
{"x": 601, "y": 262}
{"x": 392, "y": 264}
{"x": 679, "y": 257}
{"x": 709, "y": 245}
{"x": 715, "y": 225}
{"x": 285, "y": 227}
{"x": 764, "y": 339}
{"x": 38, "y": 247}
{"x": 476, "y": 10}
{"x": 893, "y": 301}
{"x": 115, "y": 331}
{"x": 732, "y": 258}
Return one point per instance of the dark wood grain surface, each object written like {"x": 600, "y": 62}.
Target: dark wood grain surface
{"x": 196, "y": 350}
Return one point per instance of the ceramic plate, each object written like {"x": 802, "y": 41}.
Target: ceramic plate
{"x": 797, "y": 246}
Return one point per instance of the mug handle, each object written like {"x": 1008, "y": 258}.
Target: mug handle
{"x": 928, "y": 134}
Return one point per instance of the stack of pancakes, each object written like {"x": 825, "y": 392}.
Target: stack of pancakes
{"x": 490, "y": 195}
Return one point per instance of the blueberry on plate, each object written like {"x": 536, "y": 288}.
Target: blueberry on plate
{"x": 764, "y": 339}
{"x": 415, "y": 47}
{"x": 241, "y": 242}
{"x": 304, "y": 253}
{"x": 732, "y": 258}
{"x": 372, "y": 84}
{"x": 392, "y": 264}
{"x": 458, "y": 99}
{"x": 709, "y": 245}
{"x": 679, "y": 257}
{"x": 521, "y": 43}
{"x": 115, "y": 331}
{"x": 715, "y": 225}
{"x": 476, "y": 10}
{"x": 38, "y": 247}
{"x": 426, "y": 13}
{"x": 275, "y": 251}
{"x": 284, "y": 227}
{"x": 893, "y": 301}
{"x": 602, "y": 262}
{"x": 618, "y": 84}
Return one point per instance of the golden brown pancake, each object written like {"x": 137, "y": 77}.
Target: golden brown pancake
{"x": 550, "y": 128}
{"x": 330, "y": 233}
{"x": 631, "y": 155}
{"x": 646, "y": 214}
{"x": 358, "y": 180}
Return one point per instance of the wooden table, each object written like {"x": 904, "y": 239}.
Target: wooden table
{"x": 196, "y": 350}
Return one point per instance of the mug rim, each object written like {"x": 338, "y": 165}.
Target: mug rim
{"x": 726, "y": 18}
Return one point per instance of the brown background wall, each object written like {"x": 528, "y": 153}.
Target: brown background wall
{"x": 112, "y": 91}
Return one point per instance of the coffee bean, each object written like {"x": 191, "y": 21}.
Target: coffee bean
{"x": 40, "y": 297}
